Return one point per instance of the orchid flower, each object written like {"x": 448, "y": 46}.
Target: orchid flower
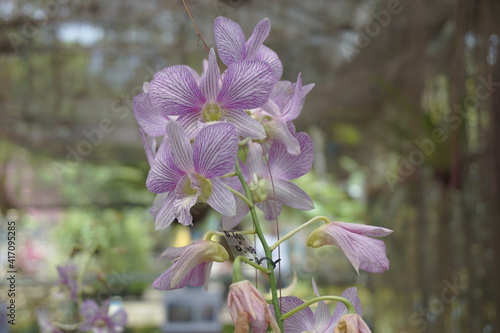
{"x": 183, "y": 174}
{"x": 354, "y": 239}
{"x": 270, "y": 183}
{"x": 98, "y": 319}
{"x": 174, "y": 91}
{"x": 319, "y": 321}
{"x": 284, "y": 105}
{"x": 247, "y": 306}
{"x": 193, "y": 265}
{"x": 233, "y": 47}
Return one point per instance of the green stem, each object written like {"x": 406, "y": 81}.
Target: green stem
{"x": 253, "y": 264}
{"x": 237, "y": 274}
{"x": 350, "y": 307}
{"x": 267, "y": 251}
{"x": 239, "y": 195}
{"x": 296, "y": 230}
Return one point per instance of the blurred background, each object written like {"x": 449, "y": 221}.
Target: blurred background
{"x": 405, "y": 116}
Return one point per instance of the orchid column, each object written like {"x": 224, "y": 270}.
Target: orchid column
{"x": 227, "y": 139}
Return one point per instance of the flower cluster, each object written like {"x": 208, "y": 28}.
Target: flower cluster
{"x": 226, "y": 138}
{"x": 94, "y": 318}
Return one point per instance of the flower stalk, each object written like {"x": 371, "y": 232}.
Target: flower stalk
{"x": 296, "y": 230}
{"x": 267, "y": 250}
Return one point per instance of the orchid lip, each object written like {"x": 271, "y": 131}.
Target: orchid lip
{"x": 211, "y": 112}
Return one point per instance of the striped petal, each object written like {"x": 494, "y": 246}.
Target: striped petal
{"x": 221, "y": 199}
{"x": 291, "y": 195}
{"x": 215, "y": 149}
{"x": 270, "y": 57}
{"x": 210, "y": 81}
{"x": 258, "y": 36}
{"x": 182, "y": 152}
{"x": 174, "y": 91}
{"x": 246, "y": 85}
{"x": 245, "y": 125}
{"x": 164, "y": 174}
{"x": 150, "y": 120}
{"x": 302, "y": 321}
{"x": 286, "y": 166}
{"x": 229, "y": 39}
{"x": 362, "y": 251}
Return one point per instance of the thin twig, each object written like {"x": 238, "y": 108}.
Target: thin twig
{"x": 195, "y": 26}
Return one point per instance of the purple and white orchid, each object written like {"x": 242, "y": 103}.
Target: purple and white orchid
{"x": 233, "y": 47}
{"x": 175, "y": 91}
{"x": 99, "y": 320}
{"x": 183, "y": 174}
{"x": 228, "y": 140}
{"x": 355, "y": 240}
{"x": 284, "y": 106}
{"x": 319, "y": 321}
{"x": 270, "y": 182}
{"x": 193, "y": 265}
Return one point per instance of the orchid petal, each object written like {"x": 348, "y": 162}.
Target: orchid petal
{"x": 258, "y": 36}
{"x": 119, "y": 319}
{"x": 229, "y": 39}
{"x": 269, "y": 56}
{"x": 365, "y": 230}
{"x": 163, "y": 210}
{"x": 164, "y": 174}
{"x": 221, "y": 199}
{"x": 245, "y": 125}
{"x": 363, "y": 252}
{"x": 149, "y": 144}
{"x": 278, "y": 130}
{"x": 229, "y": 222}
{"x": 255, "y": 162}
{"x": 271, "y": 209}
{"x": 210, "y": 81}
{"x": 286, "y": 166}
{"x": 215, "y": 150}
{"x": 150, "y": 120}
{"x": 351, "y": 294}
{"x": 291, "y": 195}
{"x": 246, "y": 85}
{"x": 299, "y": 322}
{"x": 293, "y": 108}
{"x": 189, "y": 123}
{"x": 182, "y": 152}
{"x": 174, "y": 91}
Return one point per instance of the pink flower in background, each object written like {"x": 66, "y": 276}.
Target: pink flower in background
{"x": 99, "y": 320}
{"x": 355, "y": 240}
